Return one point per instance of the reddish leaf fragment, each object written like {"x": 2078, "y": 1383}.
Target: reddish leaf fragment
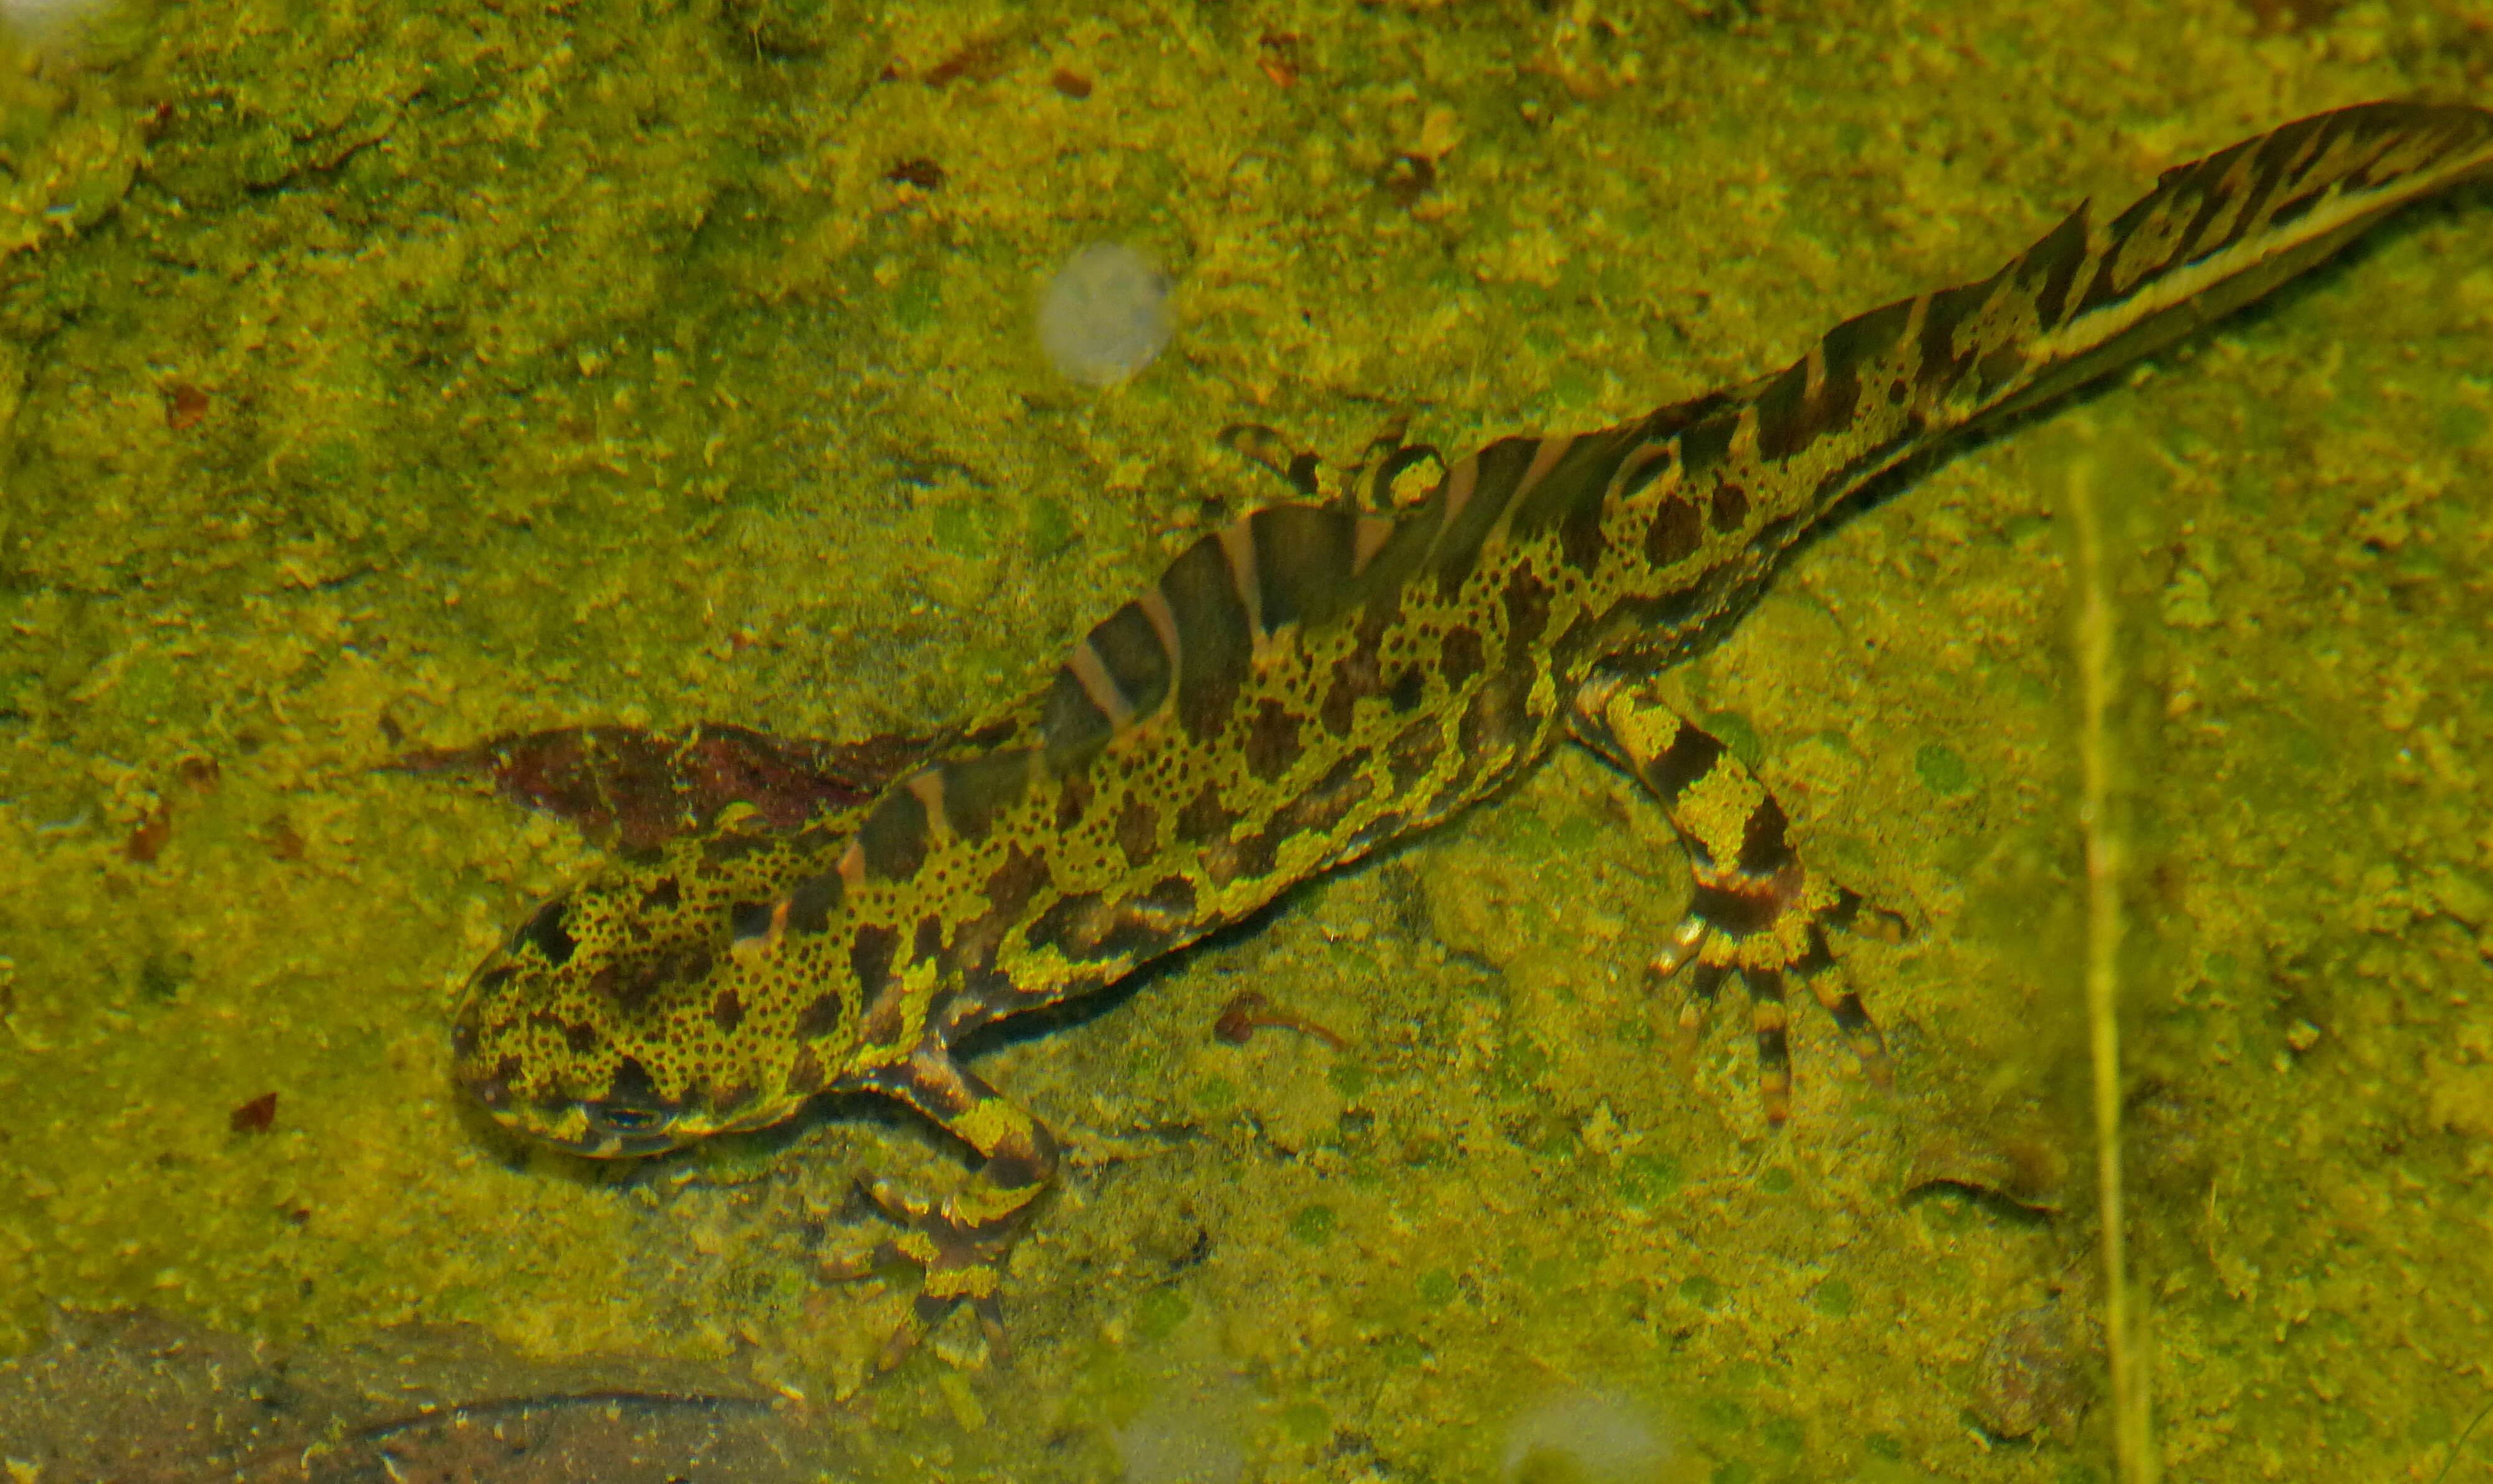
{"x": 1250, "y": 1011}
{"x": 147, "y": 841}
{"x": 924, "y": 174}
{"x": 639, "y": 789}
{"x": 257, "y": 1117}
{"x": 184, "y": 405}
{"x": 1073, "y": 84}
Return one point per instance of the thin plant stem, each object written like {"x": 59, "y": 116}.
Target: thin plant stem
{"x": 2451, "y": 1462}
{"x": 2131, "y": 1439}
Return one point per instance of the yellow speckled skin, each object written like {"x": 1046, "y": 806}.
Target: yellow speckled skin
{"x": 1313, "y": 681}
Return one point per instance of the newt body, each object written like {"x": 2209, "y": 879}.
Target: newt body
{"x": 1313, "y": 681}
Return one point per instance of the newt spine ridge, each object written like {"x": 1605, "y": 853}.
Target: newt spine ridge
{"x": 1314, "y": 681}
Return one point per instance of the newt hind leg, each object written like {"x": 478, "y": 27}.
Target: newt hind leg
{"x": 1760, "y": 911}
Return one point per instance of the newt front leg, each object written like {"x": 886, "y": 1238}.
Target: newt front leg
{"x": 1759, "y": 909}
{"x": 962, "y": 1243}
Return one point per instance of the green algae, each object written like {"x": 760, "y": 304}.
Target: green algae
{"x": 550, "y": 365}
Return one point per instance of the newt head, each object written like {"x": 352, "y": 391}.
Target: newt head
{"x": 650, "y": 1008}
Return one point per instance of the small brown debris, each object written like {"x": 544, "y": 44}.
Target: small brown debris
{"x": 1073, "y": 84}
{"x": 200, "y": 772}
{"x": 981, "y": 60}
{"x": 1408, "y": 178}
{"x": 1250, "y": 1011}
{"x": 282, "y": 839}
{"x": 185, "y": 405}
{"x": 391, "y": 732}
{"x": 147, "y": 840}
{"x": 925, "y": 174}
{"x": 257, "y": 1117}
{"x": 1277, "y": 52}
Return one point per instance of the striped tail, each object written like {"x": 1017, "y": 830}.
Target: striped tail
{"x": 2219, "y": 233}
{"x": 2088, "y": 299}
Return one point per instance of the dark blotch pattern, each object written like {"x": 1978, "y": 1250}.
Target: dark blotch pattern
{"x": 1501, "y": 467}
{"x": 1705, "y": 444}
{"x": 1302, "y": 564}
{"x": 1527, "y": 610}
{"x": 1075, "y": 729}
{"x": 1675, "y": 533}
{"x": 893, "y": 837}
{"x": 810, "y": 904}
{"x": 870, "y": 958}
{"x": 1066, "y": 925}
{"x": 1579, "y": 531}
{"x": 1785, "y": 425}
{"x": 1943, "y": 365}
{"x": 1212, "y": 634}
{"x": 1204, "y": 817}
{"x": 1460, "y": 656}
{"x": 547, "y": 933}
{"x": 1272, "y": 744}
{"x": 976, "y": 790}
{"x": 1011, "y": 886}
{"x": 822, "y": 1015}
{"x": 1689, "y": 754}
{"x": 1072, "y": 802}
{"x": 1730, "y": 507}
{"x": 1129, "y": 647}
{"x": 1762, "y": 848}
{"x": 1138, "y": 832}
{"x": 2056, "y": 259}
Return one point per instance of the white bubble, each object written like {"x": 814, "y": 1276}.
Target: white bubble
{"x": 1105, "y": 314}
{"x": 1584, "y": 1437}
{"x": 45, "y": 19}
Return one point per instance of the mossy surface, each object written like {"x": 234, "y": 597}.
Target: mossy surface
{"x": 378, "y": 375}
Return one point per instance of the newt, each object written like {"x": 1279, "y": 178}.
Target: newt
{"x": 1318, "y": 680}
